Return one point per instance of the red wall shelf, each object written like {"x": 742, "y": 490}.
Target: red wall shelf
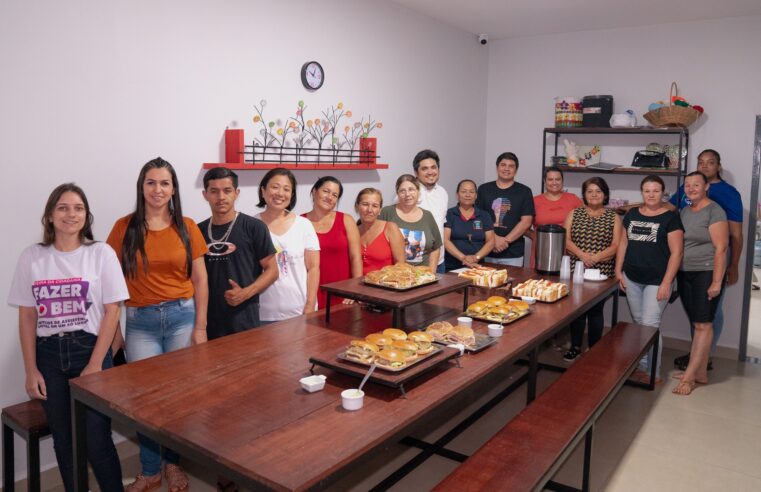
{"x": 304, "y": 166}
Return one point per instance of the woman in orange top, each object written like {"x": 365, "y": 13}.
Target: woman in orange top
{"x": 162, "y": 257}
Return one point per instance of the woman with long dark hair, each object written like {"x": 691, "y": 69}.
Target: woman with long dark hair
{"x": 162, "y": 257}
{"x": 68, "y": 289}
{"x": 381, "y": 241}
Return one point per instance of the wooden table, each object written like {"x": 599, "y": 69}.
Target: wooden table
{"x": 235, "y": 405}
{"x": 397, "y": 301}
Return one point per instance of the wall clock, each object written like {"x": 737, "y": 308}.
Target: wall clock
{"x": 312, "y": 75}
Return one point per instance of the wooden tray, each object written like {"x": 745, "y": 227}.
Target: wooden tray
{"x": 482, "y": 342}
{"x": 401, "y": 289}
{"x": 409, "y": 365}
{"x": 391, "y": 379}
{"x": 488, "y": 320}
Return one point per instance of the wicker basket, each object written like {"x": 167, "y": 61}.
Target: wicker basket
{"x": 672, "y": 115}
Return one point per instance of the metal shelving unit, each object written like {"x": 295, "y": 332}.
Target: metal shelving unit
{"x": 682, "y": 133}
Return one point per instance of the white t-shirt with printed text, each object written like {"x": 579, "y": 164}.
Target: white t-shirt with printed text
{"x": 68, "y": 289}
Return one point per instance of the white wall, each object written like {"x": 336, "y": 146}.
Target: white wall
{"x": 91, "y": 90}
{"x": 715, "y": 63}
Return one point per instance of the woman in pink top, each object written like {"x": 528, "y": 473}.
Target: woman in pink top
{"x": 381, "y": 242}
{"x": 340, "y": 256}
{"x": 552, "y": 206}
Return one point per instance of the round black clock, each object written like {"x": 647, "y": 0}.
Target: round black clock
{"x": 312, "y": 75}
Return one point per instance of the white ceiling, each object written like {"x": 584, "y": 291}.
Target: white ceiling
{"x": 511, "y": 18}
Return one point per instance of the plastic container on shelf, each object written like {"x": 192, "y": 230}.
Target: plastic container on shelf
{"x": 567, "y": 112}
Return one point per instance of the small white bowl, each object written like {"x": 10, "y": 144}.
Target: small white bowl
{"x": 313, "y": 383}
{"x": 528, "y": 299}
{"x": 495, "y": 330}
{"x": 465, "y": 321}
{"x": 352, "y": 399}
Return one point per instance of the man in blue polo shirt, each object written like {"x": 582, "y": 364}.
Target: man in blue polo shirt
{"x": 727, "y": 196}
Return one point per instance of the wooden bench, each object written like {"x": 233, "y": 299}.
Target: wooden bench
{"x": 529, "y": 450}
{"x": 28, "y": 420}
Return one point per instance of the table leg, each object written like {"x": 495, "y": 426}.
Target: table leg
{"x": 614, "y": 321}
{"x": 33, "y": 462}
{"x": 533, "y": 369}
{"x": 327, "y": 307}
{"x": 653, "y": 364}
{"x": 9, "y": 472}
{"x": 465, "y": 300}
{"x": 587, "y": 459}
{"x": 79, "y": 433}
{"x": 402, "y": 319}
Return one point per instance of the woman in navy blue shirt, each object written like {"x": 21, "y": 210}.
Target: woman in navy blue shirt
{"x": 468, "y": 231}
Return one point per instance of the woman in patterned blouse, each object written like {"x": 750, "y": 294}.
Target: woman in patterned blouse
{"x": 594, "y": 235}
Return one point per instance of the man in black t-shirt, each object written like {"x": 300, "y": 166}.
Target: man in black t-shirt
{"x": 511, "y": 206}
{"x": 240, "y": 262}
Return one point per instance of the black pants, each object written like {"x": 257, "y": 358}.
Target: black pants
{"x": 594, "y": 320}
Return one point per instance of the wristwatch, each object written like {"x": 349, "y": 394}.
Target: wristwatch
{"x": 478, "y": 258}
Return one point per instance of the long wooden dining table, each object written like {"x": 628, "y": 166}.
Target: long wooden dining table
{"x": 235, "y": 404}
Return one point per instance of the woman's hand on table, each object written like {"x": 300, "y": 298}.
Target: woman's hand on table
{"x": 199, "y": 336}
{"x": 470, "y": 261}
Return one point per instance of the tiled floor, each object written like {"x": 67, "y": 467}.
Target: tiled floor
{"x": 645, "y": 441}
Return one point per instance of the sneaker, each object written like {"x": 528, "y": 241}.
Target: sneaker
{"x": 571, "y": 355}
{"x": 144, "y": 484}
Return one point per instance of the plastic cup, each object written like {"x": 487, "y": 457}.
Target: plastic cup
{"x": 565, "y": 267}
{"x": 578, "y": 272}
{"x": 465, "y": 321}
{"x": 352, "y": 399}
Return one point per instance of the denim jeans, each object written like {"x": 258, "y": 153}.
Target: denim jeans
{"x": 646, "y": 310}
{"x": 151, "y": 331}
{"x": 441, "y": 268}
{"x": 506, "y": 261}
{"x": 59, "y": 359}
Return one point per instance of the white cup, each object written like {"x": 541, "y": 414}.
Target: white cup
{"x": 565, "y": 267}
{"x": 465, "y": 321}
{"x": 352, "y": 399}
{"x": 495, "y": 330}
{"x": 578, "y": 272}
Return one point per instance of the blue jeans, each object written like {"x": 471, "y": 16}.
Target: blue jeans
{"x": 151, "y": 331}
{"x": 441, "y": 268}
{"x": 59, "y": 359}
{"x": 646, "y": 310}
{"x": 505, "y": 261}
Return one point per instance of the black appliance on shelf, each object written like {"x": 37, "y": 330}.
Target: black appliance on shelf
{"x": 596, "y": 111}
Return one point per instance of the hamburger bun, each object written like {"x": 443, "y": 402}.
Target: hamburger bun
{"x": 462, "y": 334}
{"x": 423, "y": 341}
{"x": 496, "y": 300}
{"x": 439, "y": 329}
{"x": 518, "y": 305}
{"x": 395, "y": 333}
{"x": 391, "y": 358}
{"x": 407, "y": 347}
{"x": 379, "y": 339}
{"x": 362, "y": 351}
{"x": 477, "y": 307}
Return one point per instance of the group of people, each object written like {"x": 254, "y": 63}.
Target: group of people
{"x": 185, "y": 283}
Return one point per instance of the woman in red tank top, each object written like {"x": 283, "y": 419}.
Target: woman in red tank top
{"x": 381, "y": 241}
{"x": 340, "y": 256}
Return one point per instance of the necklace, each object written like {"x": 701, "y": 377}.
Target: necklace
{"x": 221, "y": 242}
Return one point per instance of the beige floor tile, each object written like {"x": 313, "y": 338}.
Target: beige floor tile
{"x": 644, "y": 468}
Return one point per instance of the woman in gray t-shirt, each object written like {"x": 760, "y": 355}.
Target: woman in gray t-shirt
{"x": 422, "y": 239}
{"x": 701, "y": 276}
